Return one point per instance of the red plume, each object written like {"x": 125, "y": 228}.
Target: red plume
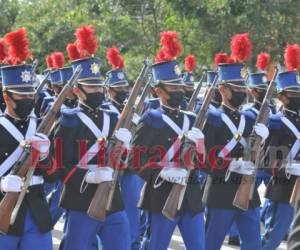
{"x": 86, "y": 42}
{"x": 49, "y": 61}
{"x": 263, "y": 61}
{"x": 241, "y": 47}
{"x": 73, "y": 52}
{"x": 3, "y": 50}
{"x": 190, "y": 63}
{"x": 114, "y": 58}
{"x": 171, "y": 44}
{"x": 58, "y": 60}
{"x": 231, "y": 60}
{"x": 160, "y": 56}
{"x": 221, "y": 58}
{"x": 18, "y": 46}
{"x": 292, "y": 56}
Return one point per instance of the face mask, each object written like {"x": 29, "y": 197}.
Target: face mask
{"x": 93, "y": 100}
{"x": 294, "y": 103}
{"x": 217, "y": 97}
{"x": 71, "y": 103}
{"x": 23, "y": 107}
{"x": 237, "y": 98}
{"x": 176, "y": 98}
{"x": 188, "y": 94}
{"x": 121, "y": 96}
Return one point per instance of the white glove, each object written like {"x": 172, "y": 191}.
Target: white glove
{"x": 99, "y": 175}
{"x": 174, "y": 175}
{"x": 261, "y": 130}
{"x": 124, "y": 135}
{"x": 292, "y": 169}
{"x": 241, "y": 167}
{"x": 11, "y": 183}
{"x": 136, "y": 118}
{"x": 41, "y": 143}
{"x": 195, "y": 135}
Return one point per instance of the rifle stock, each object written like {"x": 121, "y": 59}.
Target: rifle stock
{"x": 246, "y": 188}
{"x": 102, "y": 199}
{"x": 176, "y": 195}
{"x": 11, "y": 202}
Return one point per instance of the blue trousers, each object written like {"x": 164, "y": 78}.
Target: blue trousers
{"x": 191, "y": 229}
{"x": 277, "y": 225}
{"x": 53, "y": 192}
{"x": 219, "y": 222}
{"x": 32, "y": 239}
{"x": 233, "y": 231}
{"x": 131, "y": 185}
{"x": 81, "y": 231}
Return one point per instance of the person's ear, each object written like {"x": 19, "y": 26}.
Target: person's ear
{"x": 8, "y": 100}
{"x": 283, "y": 98}
{"x": 77, "y": 91}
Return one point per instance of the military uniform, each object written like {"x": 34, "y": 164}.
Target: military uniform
{"x": 284, "y": 129}
{"x": 157, "y": 129}
{"x": 84, "y": 125}
{"x": 33, "y": 225}
{"x": 223, "y": 148}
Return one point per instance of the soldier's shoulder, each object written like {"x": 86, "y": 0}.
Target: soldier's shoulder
{"x": 249, "y": 114}
{"x": 275, "y": 121}
{"x": 214, "y": 117}
{"x": 153, "y": 118}
{"x": 114, "y": 116}
{"x": 152, "y": 103}
{"x": 69, "y": 117}
{"x": 105, "y": 105}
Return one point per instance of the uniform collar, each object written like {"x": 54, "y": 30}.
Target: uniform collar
{"x": 169, "y": 110}
{"x": 228, "y": 110}
{"x": 15, "y": 120}
{"x": 117, "y": 105}
{"x": 89, "y": 111}
{"x": 291, "y": 113}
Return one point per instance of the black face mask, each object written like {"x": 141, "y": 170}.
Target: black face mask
{"x": 217, "y": 96}
{"x": 176, "y": 98}
{"x": 121, "y": 96}
{"x": 294, "y": 103}
{"x": 188, "y": 95}
{"x": 94, "y": 100}
{"x": 23, "y": 107}
{"x": 237, "y": 98}
{"x": 70, "y": 103}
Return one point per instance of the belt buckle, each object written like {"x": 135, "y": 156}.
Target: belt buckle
{"x": 237, "y": 136}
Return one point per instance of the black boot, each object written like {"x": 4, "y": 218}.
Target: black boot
{"x": 233, "y": 240}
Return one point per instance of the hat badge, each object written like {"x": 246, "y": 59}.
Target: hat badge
{"x": 120, "y": 75}
{"x": 26, "y": 76}
{"x": 264, "y": 79}
{"x": 95, "y": 68}
{"x": 177, "y": 70}
{"x": 244, "y": 72}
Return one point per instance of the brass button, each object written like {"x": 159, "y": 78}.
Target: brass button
{"x": 237, "y": 136}
{"x": 6, "y": 153}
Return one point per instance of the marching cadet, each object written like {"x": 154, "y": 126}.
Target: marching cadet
{"x": 158, "y": 128}
{"x": 33, "y": 225}
{"x": 190, "y": 65}
{"x": 118, "y": 91}
{"x": 59, "y": 76}
{"x": 284, "y": 149}
{"x": 117, "y": 85}
{"x": 226, "y": 131}
{"x": 79, "y": 131}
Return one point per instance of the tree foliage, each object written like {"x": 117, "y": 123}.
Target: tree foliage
{"x": 134, "y": 25}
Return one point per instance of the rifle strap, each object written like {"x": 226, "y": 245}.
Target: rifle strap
{"x": 18, "y": 136}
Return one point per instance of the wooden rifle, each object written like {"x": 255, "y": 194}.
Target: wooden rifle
{"x": 25, "y": 166}
{"x": 191, "y": 104}
{"x": 175, "y": 199}
{"x": 102, "y": 200}
{"x": 245, "y": 191}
